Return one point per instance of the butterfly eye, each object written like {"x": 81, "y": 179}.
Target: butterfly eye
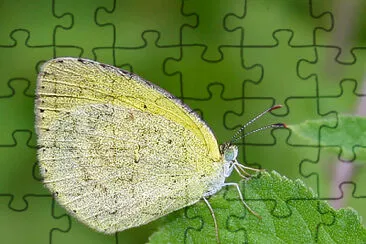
{"x": 230, "y": 153}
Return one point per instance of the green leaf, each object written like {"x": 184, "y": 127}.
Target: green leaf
{"x": 348, "y": 133}
{"x": 290, "y": 213}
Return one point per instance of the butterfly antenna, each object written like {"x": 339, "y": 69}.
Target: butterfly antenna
{"x": 278, "y": 125}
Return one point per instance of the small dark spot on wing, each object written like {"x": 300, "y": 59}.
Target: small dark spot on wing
{"x": 81, "y": 60}
{"x": 125, "y": 72}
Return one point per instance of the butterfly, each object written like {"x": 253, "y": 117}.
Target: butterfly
{"x": 118, "y": 152}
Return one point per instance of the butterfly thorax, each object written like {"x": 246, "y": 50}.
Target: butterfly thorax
{"x": 228, "y": 152}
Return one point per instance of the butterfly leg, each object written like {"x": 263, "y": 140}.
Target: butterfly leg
{"x": 242, "y": 170}
{"x": 241, "y": 198}
{"x": 214, "y": 219}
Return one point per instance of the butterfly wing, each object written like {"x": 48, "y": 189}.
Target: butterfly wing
{"x": 115, "y": 150}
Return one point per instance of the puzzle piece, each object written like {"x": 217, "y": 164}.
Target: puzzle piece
{"x": 184, "y": 226}
{"x": 350, "y": 191}
{"x": 79, "y": 233}
{"x": 19, "y": 173}
{"x": 228, "y": 60}
{"x": 250, "y": 109}
{"x": 272, "y": 77}
{"x": 148, "y": 61}
{"x": 307, "y": 108}
{"x": 329, "y": 71}
{"x": 255, "y": 148}
{"x": 271, "y": 156}
{"x": 20, "y": 60}
{"x": 343, "y": 102}
{"x": 35, "y": 224}
{"x": 225, "y": 108}
{"x": 206, "y": 230}
{"x": 26, "y": 16}
{"x": 319, "y": 172}
{"x": 293, "y": 211}
{"x": 280, "y": 209}
{"x": 217, "y": 98}
{"x": 322, "y": 213}
{"x": 338, "y": 231}
{"x": 210, "y": 31}
{"x": 347, "y": 24}
{"x": 196, "y": 74}
{"x": 193, "y": 215}
{"x": 302, "y": 109}
{"x": 17, "y": 109}
{"x": 310, "y": 169}
{"x": 259, "y": 31}
{"x": 80, "y": 40}
{"x": 132, "y": 18}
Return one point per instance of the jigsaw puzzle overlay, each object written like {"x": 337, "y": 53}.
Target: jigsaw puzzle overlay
{"x": 228, "y": 60}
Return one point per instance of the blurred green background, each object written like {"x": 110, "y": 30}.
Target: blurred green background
{"x": 228, "y": 60}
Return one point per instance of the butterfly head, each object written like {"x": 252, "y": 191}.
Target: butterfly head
{"x": 229, "y": 152}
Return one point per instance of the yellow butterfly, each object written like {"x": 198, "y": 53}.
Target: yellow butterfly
{"x": 118, "y": 152}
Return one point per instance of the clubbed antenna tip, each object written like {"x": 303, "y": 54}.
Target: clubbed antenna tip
{"x": 280, "y": 125}
{"x": 274, "y": 107}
